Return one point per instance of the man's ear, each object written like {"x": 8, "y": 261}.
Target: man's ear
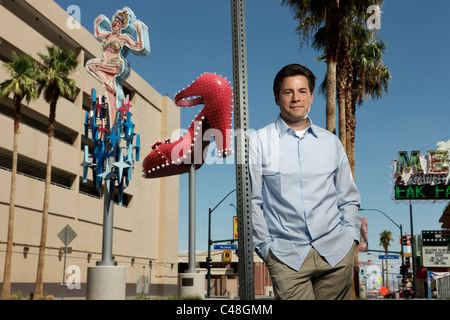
{"x": 276, "y": 99}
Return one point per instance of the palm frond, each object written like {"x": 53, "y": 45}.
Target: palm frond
{"x": 56, "y": 67}
{"x": 24, "y": 74}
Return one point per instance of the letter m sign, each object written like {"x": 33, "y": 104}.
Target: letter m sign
{"x": 405, "y": 164}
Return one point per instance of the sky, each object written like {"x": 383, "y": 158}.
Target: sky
{"x": 188, "y": 38}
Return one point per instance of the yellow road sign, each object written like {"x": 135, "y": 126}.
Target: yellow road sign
{"x": 226, "y": 255}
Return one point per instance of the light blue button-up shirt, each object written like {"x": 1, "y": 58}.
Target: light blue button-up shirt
{"x": 303, "y": 194}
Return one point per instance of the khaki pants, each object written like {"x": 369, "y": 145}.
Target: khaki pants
{"x": 316, "y": 279}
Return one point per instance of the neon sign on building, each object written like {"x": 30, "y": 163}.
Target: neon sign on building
{"x": 420, "y": 177}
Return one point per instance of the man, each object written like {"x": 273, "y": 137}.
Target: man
{"x": 408, "y": 287}
{"x": 304, "y": 200}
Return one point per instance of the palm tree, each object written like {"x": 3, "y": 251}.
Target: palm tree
{"x": 22, "y": 85}
{"x": 343, "y": 69}
{"x": 314, "y": 15}
{"x": 385, "y": 242}
{"x": 55, "y": 69}
{"x": 361, "y": 75}
{"x": 369, "y": 78}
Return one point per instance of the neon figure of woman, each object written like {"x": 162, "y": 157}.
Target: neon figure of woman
{"x": 113, "y": 68}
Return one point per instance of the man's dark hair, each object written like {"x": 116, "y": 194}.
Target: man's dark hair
{"x": 294, "y": 70}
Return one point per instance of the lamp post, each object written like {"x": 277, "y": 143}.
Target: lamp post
{"x": 208, "y": 259}
{"x": 398, "y": 226}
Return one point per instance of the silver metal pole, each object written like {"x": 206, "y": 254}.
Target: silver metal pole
{"x": 413, "y": 249}
{"x": 191, "y": 263}
{"x": 108, "y": 218}
{"x": 243, "y": 192}
{"x": 64, "y": 267}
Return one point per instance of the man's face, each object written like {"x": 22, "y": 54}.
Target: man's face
{"x": 294, "y": 100}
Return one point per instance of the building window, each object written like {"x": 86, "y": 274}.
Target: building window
{"x": 36, "y": 170}
{"x": 39, "y": 122}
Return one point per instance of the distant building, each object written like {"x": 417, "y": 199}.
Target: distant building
{"x": 143, "y": 227}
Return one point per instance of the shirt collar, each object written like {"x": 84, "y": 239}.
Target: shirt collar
{"x": 283, "y": 128}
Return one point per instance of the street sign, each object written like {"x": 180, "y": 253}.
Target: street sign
{"x": 227, "y": 255}
{"x": 388, "y": 256}
{"x": 383, "y": 290}
{"x": 225, "y": 247}
{"x": 67, "y": 235}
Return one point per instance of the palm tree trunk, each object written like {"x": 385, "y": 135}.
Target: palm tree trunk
{"x": 342, "y": 122}
{"x": 351, "y": 119}
{"x": 39, "y": 288}
{"x": 331, "y": 97}
{"x": 350, "y": 142}
{"x": 6, "y": 287}
{"x": 341, "y": 83}
{"x": 332, "y": 24}
{"x": 350, "y": 138}
{"x": 344, "y": 76}
{"x": 387, "y": 273}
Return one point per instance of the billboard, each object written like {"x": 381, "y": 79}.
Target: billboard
{"x": 435, "y": 249}
{"x": 422, "y": 177}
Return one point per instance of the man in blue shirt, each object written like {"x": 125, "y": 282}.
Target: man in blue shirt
{"x": 304, "y": 199}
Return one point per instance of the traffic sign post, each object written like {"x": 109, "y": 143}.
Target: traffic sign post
{"x": 66, "y": 235}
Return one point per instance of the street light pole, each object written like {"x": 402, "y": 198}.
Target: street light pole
{"x": 413, "y": 247}
{"x": 208, "y": 267}
{"x": 398, "y": 226}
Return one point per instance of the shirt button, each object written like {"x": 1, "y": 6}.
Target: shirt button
{"x": 304, "y": 181}
{"x": 306, "y": 201}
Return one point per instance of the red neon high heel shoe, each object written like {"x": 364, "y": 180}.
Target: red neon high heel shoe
{"x": 214, "y": 120}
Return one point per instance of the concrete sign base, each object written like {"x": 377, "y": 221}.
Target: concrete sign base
{"x": 106, "y": 283}
{"x": 191, "y": 284}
